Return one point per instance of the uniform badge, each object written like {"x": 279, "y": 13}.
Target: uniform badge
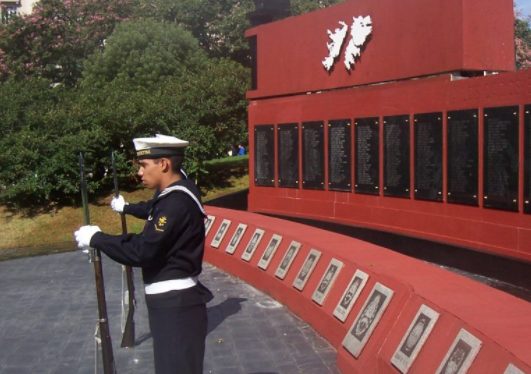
{"x": 161, "y": 223}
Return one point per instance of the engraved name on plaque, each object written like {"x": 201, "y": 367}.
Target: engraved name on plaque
{"x": 428, "y": 156}
{"x": 367, "y": 173}
{"x": 396, "y": 156}
{"x": 288, "y": 155}
{"x": 462, "y": 156}
{"x": 527, "y": 161}
{"x": 264, "y": 155}
{"x": 339, "y": 144}
{"x": 500, "y": 175}
{"x": 313, "y": 155}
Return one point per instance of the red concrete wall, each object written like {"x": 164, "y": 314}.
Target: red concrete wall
{"x": 410, "y": 38}
{"x": 495, "y": 231}
{"x": 499, "y": 320}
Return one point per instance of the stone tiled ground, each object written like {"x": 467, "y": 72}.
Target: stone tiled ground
{"x": 48, "y": 315}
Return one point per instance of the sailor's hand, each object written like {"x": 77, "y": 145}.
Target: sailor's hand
{"x": 118, "y": 203}
{"x": 84, "y": 234}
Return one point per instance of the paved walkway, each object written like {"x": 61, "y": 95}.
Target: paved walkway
{"x": 48, "y": 314}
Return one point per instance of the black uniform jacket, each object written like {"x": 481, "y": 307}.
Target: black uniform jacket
{"x": 171, "y": 245}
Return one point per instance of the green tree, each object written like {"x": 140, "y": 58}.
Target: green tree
{"x": 143, "y": 53}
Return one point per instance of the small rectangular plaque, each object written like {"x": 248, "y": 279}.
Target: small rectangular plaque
{"x": 500, "y": 175}
{"x": 264, "y": 155}
{"x": 253, "y": 243}
{"x": 269, "y": 252}
{"x": 462, "y": 133}
{"x": 306, "y": 269}
{"x": 220, "y": 234}
{"x": 327, "y": 281}
{"x": 396, "y": 156}
{"x": 287, "y": 260}
{"x": 461, "y": 354}
{"x": 288, "y": 155}
{"x": 527, "y": 159}
{"x": 415, "y": 337}
{"x": 367, "y": 156}
{"x": 367, "y": 319}
{"x": 351, "y": 294}
{"x": 209, "y": 221}
{"x": 339, "y": 155}
{"x": 313, "y": 155}
{"x": 428, "y": 156}
{"x": 236, "y": 238}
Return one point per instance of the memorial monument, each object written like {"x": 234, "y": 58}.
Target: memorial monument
{"x": 406, "y": 117}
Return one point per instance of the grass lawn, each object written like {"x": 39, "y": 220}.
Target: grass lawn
{"x": 52, "y": 232}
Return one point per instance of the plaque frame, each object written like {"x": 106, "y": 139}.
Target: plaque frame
{"x": 509, "y": 201}
{"x": 402, "y": 359}
{"x": 253, "y": 243}
{"x": 466, "y": 340}
{"x": 401, "y": 120}
{"x": 327, "y": 281}
{"x": 208, "y": 223}
{"x": 220, "y": 234}
{"x": 346, "y": 184}
{"x": 270, "y": 251}
{"x": 452, "y": 195}
{"x": 513, "y": 369}
{"x": 372, "y": 123}
{"x": 527, "y": 159}
{"x": 350, "y": 295}
{"x": 236, "y": 238}
{"x": 360, "y": 332}
{"x": 317, "y": 184}
{"x": 305, "y": 272}
{"x": 288, "y": 259}
{"x": 269, "y": 180}
{"x": 434, "y": 191}
{"x": 281, "y": 181}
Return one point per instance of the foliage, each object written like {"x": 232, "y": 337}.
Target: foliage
{"x": 522, "y": 31}
{"x": 53, "y": 41}
{"x": 144, "y": 52}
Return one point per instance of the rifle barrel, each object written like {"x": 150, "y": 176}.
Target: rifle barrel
{"x": 105, "y": 336}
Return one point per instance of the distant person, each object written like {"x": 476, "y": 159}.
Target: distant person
{"x": 241, "y": 150}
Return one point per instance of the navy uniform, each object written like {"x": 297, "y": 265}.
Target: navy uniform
{"x": 170, "y": 252}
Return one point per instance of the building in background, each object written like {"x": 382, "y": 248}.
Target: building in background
{"x": 10, "y": 8}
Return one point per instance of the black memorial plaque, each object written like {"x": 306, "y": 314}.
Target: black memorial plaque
{"x": 428, "y": 156}
{"x": 367, "y": 152}
{"x": 339, "y": 145}
{"x": 527, "y": 162}
{"x": 462, "y": 156}
{"x": 396, "y": 156}
{"x": 264, "y": 155}
{"x": 500, "y": 175}
{"x": 288, "y": 155}
{"x": 313, "y": 155}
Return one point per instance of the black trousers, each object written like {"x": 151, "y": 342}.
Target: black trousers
{"x": 179, "y": 334}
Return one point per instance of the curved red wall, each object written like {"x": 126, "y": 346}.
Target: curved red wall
{"x": 495, "y": 231}
{"x": 500, "y": 321}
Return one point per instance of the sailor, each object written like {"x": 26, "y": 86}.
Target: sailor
{"x": 170, "y": 252}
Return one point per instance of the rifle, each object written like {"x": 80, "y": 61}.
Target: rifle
{"x": 128, "y": 296}
{"x": 102, "y": 336}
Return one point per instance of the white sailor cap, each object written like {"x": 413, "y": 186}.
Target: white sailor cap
{"x": 159, "y": 146}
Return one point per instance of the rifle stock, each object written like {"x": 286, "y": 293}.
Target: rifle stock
{"x": 103, "y": 324}
{"x": 128, "y": 335}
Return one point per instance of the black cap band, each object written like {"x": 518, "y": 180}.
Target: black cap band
{"x": 159, "y": 152}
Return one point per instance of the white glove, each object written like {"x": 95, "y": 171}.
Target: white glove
{"x": 118, "y": 203}
{"x": 84, "y": 234}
